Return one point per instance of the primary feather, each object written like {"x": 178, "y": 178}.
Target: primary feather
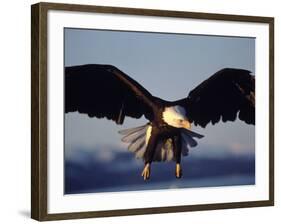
{"x": 223, "y": 96}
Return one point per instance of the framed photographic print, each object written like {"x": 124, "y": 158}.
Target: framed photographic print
{"x": 139, "y": 111}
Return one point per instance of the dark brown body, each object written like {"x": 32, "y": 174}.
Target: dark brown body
{"x": 160, "y": 133}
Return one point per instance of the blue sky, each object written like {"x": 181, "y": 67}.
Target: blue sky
{"x": 169, "y": 66}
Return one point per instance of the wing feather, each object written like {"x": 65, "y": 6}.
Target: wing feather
{"x": 105, "y": 91}
{"x": 223, "y": 96}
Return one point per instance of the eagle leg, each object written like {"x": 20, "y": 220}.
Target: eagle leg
{"x": 146, "y": 171}
{"x": 178, "y": 170}
{"x": 149, "y": 154}
{"x": 177, "y": 153}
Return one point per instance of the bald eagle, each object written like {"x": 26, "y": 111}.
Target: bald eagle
{"x": 104, "y": 91}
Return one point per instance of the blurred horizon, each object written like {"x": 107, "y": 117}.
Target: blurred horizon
{"x": 83, "y": 170}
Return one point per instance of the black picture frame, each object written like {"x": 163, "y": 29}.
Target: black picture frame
{"x": 39, "y": 105}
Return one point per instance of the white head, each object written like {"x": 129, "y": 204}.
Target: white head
{"x": 176, "y": 117}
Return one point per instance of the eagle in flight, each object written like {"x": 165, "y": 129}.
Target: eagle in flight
{"x": 104, "y": 91}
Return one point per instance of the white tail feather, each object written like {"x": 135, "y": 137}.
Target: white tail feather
{"x": 138, "y": 138}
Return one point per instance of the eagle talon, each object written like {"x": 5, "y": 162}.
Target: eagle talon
{"x": 178, "y": 171}
{"x": 146, "y": 172}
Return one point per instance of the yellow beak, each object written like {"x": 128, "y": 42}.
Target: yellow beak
{"x": 186, "y": 124}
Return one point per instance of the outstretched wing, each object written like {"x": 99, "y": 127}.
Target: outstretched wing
{"x": 222, "y": 96}
{"x": 105, "y": 91}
